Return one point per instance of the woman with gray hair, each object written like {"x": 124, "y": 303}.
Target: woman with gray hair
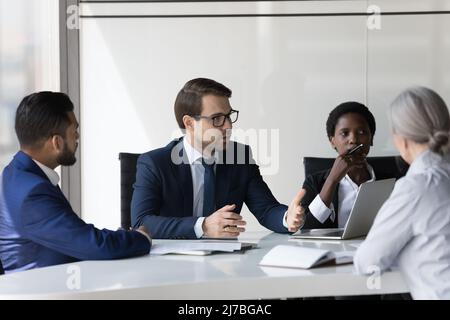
{"x": 412, "y": 229}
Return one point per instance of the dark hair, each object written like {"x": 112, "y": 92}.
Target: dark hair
{"x": 349, "y": 107}
{"x": 189, "y": 99}
{"x": 41, "y": 115}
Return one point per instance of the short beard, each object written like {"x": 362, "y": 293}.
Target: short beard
{"x": 67, "y": 158}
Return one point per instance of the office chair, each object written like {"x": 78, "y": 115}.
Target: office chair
{"x": 128, "y": 163}
{"x": 392, "y": 166}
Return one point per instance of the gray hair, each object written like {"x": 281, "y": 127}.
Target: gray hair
{"x": 421, "y": 115}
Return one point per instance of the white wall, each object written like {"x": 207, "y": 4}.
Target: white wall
{"x": 408, "y": 50}
{"x": 286, "y": 73}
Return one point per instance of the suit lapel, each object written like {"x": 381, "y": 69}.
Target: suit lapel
{"x": 183, "y": 174}
{"x": 24, "y": 161}
{"x": 27, "y": 163}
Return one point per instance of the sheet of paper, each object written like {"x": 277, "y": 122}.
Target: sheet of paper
{"x": 183, "y": 247}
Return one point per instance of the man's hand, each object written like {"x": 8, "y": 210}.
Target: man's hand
{"x": 143, "y": 230}
{"x": 223, "y": 223}
{"x": 296, "y": 213}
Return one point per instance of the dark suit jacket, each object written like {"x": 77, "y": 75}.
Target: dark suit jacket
{"x": 38, "y": 227}
{"x": 163, "y": 196}
{"x": 313, "y": 186}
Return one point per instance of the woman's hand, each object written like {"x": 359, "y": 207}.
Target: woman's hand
{"x": 341, "y": 167}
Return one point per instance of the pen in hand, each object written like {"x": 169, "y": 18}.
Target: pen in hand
{"x": 355, "y": 149}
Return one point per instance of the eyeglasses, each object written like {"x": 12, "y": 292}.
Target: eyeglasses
{"x": 219, "y": 120}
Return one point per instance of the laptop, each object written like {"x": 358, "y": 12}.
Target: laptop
{"x": 369, "y": 199}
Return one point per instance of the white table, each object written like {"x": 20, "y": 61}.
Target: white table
{"x": 218, "y": 276}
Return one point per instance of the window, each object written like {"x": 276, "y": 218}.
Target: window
{"x": 29, "y": 60}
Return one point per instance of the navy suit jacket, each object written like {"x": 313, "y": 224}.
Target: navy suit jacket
{"x": 38, "y": 227}
{"x": 163, "y": 195}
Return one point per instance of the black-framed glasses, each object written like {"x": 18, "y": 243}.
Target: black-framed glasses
{"x": 219, "y": 120}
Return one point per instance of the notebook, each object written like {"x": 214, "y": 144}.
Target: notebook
{"x": 302, "y": 257}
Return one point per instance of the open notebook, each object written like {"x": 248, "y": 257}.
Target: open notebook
{"x": 301, "y": 257}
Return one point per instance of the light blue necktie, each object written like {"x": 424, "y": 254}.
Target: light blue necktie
{"x": 209, "y": 190}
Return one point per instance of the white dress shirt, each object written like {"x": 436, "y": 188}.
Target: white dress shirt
{"x": 51, "y": 174}
{"x": 198, "y": 174}
{"x": 412, "y": 230}
{"x": 347, "y": 192}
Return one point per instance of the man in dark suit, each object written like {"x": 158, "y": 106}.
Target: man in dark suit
{"x": 38, "y": 227}
{"x": 196, "y": 185}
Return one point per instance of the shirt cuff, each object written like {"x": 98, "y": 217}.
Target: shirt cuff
{"x": 198, "y": 229}
{"x": 285, "y": 220}
{"x": 320, "y": 211}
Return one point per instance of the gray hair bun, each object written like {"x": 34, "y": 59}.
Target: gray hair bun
{"x": 439, "y": 142}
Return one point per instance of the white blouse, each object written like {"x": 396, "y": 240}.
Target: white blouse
{"x": 347, "y": 192}
{"x": 412, "y": 230}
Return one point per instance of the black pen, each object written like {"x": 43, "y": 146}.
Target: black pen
{"x": 355, "y": 149}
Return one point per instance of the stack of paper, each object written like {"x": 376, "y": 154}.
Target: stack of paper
{"x": 194, "y": 247}
{"x": 302, "y": 257}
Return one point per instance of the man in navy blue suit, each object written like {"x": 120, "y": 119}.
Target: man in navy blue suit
{"x": 196, "y": 185}
{"x": 38, "y": 227}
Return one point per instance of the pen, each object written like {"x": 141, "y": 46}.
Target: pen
{"x": 355, "y": 149}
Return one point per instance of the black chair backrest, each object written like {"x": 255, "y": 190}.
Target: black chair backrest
{"x": 128, "y": 163}
{"x": 1, "y": 268}
{"x": 392, "y": 166}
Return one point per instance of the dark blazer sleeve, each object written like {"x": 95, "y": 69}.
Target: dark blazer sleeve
{"x": 262, "y": 203}
{"x": 313, "y": 185}
{"x": 146, "y": 204}
{"x": 48, "y": 220}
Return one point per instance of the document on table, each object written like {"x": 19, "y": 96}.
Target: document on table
{"x": 197, "y": 247}
{"x": 303, "y": 257}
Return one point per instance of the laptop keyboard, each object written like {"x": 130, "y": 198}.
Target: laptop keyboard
{"x": 322, "y": 233}
{"x": 334, "y": 234}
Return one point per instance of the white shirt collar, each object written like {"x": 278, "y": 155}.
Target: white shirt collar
{"x": 50, "y": 173}
{"x": 193, "y": 154}
{"x": 371, "y": 173}
{"x": 424, "y": 161}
